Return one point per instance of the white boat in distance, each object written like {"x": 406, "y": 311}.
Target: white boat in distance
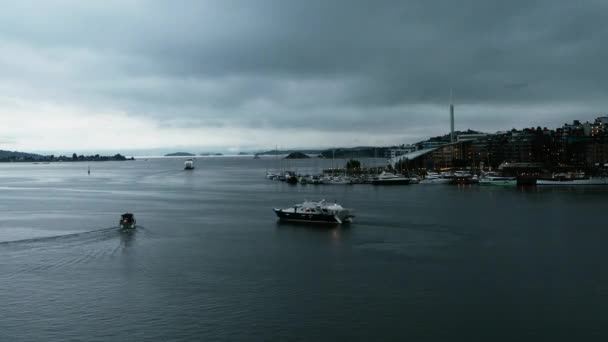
{"x": 189, "y": 164}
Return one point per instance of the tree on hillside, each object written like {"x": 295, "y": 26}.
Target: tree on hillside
{"x": 353, "y": 164}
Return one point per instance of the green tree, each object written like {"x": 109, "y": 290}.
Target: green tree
{"x": 353, "y": 164}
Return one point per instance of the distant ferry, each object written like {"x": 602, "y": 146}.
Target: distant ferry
{"x": 189, "y": 164}
{"x": 316, "y": 212}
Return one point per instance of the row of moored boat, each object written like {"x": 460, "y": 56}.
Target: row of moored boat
{"x": 455, "y": 177}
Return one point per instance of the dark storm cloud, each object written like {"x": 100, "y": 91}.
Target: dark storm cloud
{"x": 365, "y": 66}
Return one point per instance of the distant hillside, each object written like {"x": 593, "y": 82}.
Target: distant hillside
{"x": 350, "y": 152}
{"x": 14, "y": 155}
{"x": 355, "y": 152}
{"x": 281, "y": 152}
{"x": 297, "y": 155}
{"x": 180, "y": 154}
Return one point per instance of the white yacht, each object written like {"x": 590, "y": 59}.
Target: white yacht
{"x": 316, "y": 212}
{"x": 386, "y": 178}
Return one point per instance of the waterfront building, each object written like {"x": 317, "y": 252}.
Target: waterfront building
{"x": 597, "y": 154}
{"x": 432, "y": 144}
{"x": 396, "y": 152}
{"x": 600, "y": 127}
{"x": 576, "y": 144}
{"x": 470, "y": 136}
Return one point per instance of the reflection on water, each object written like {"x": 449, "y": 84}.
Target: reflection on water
{"x": 335, "y": 233}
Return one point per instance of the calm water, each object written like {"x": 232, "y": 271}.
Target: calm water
{"x": 420, "y": 263}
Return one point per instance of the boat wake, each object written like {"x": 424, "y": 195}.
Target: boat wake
{"x": 64, "y": 251}
{"x": 44, "y": 239}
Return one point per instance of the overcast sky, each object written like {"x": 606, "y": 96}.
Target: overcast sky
{"x": 217, "y": 75}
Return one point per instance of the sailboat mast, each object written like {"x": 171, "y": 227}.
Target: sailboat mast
{"x": 333, "y": 157}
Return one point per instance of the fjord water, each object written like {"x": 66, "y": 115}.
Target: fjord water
{"x": 210, "y": 262}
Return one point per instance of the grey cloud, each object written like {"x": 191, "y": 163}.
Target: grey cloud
{"x": 363, "y": 66}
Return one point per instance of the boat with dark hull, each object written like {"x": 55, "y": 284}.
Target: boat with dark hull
{"x": 127, "y": 221}
{"x": 315, "y": 212}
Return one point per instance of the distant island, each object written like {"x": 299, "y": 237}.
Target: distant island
{"x": 15, "y": 156}
{"x": 297, "y": 155}
{"x": 211, "y": 154}
{"x": 348, "y": 152}
{"x": 180, "y": 154}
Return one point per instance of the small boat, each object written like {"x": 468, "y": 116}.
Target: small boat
{"x": 315, "y": 212}
{"x": 189, "y": 164}
{"x": 127, "y": 221}
{"x": 313, "y": 180}
{"x": 494, "y": 180}
{"x": 271, "y": 175}
{"x": 386, "y": 178}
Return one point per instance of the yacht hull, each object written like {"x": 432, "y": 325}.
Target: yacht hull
{"x": 307, "y": 217}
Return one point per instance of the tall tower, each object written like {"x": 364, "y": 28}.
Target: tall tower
{"x": 452, "y": 138}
